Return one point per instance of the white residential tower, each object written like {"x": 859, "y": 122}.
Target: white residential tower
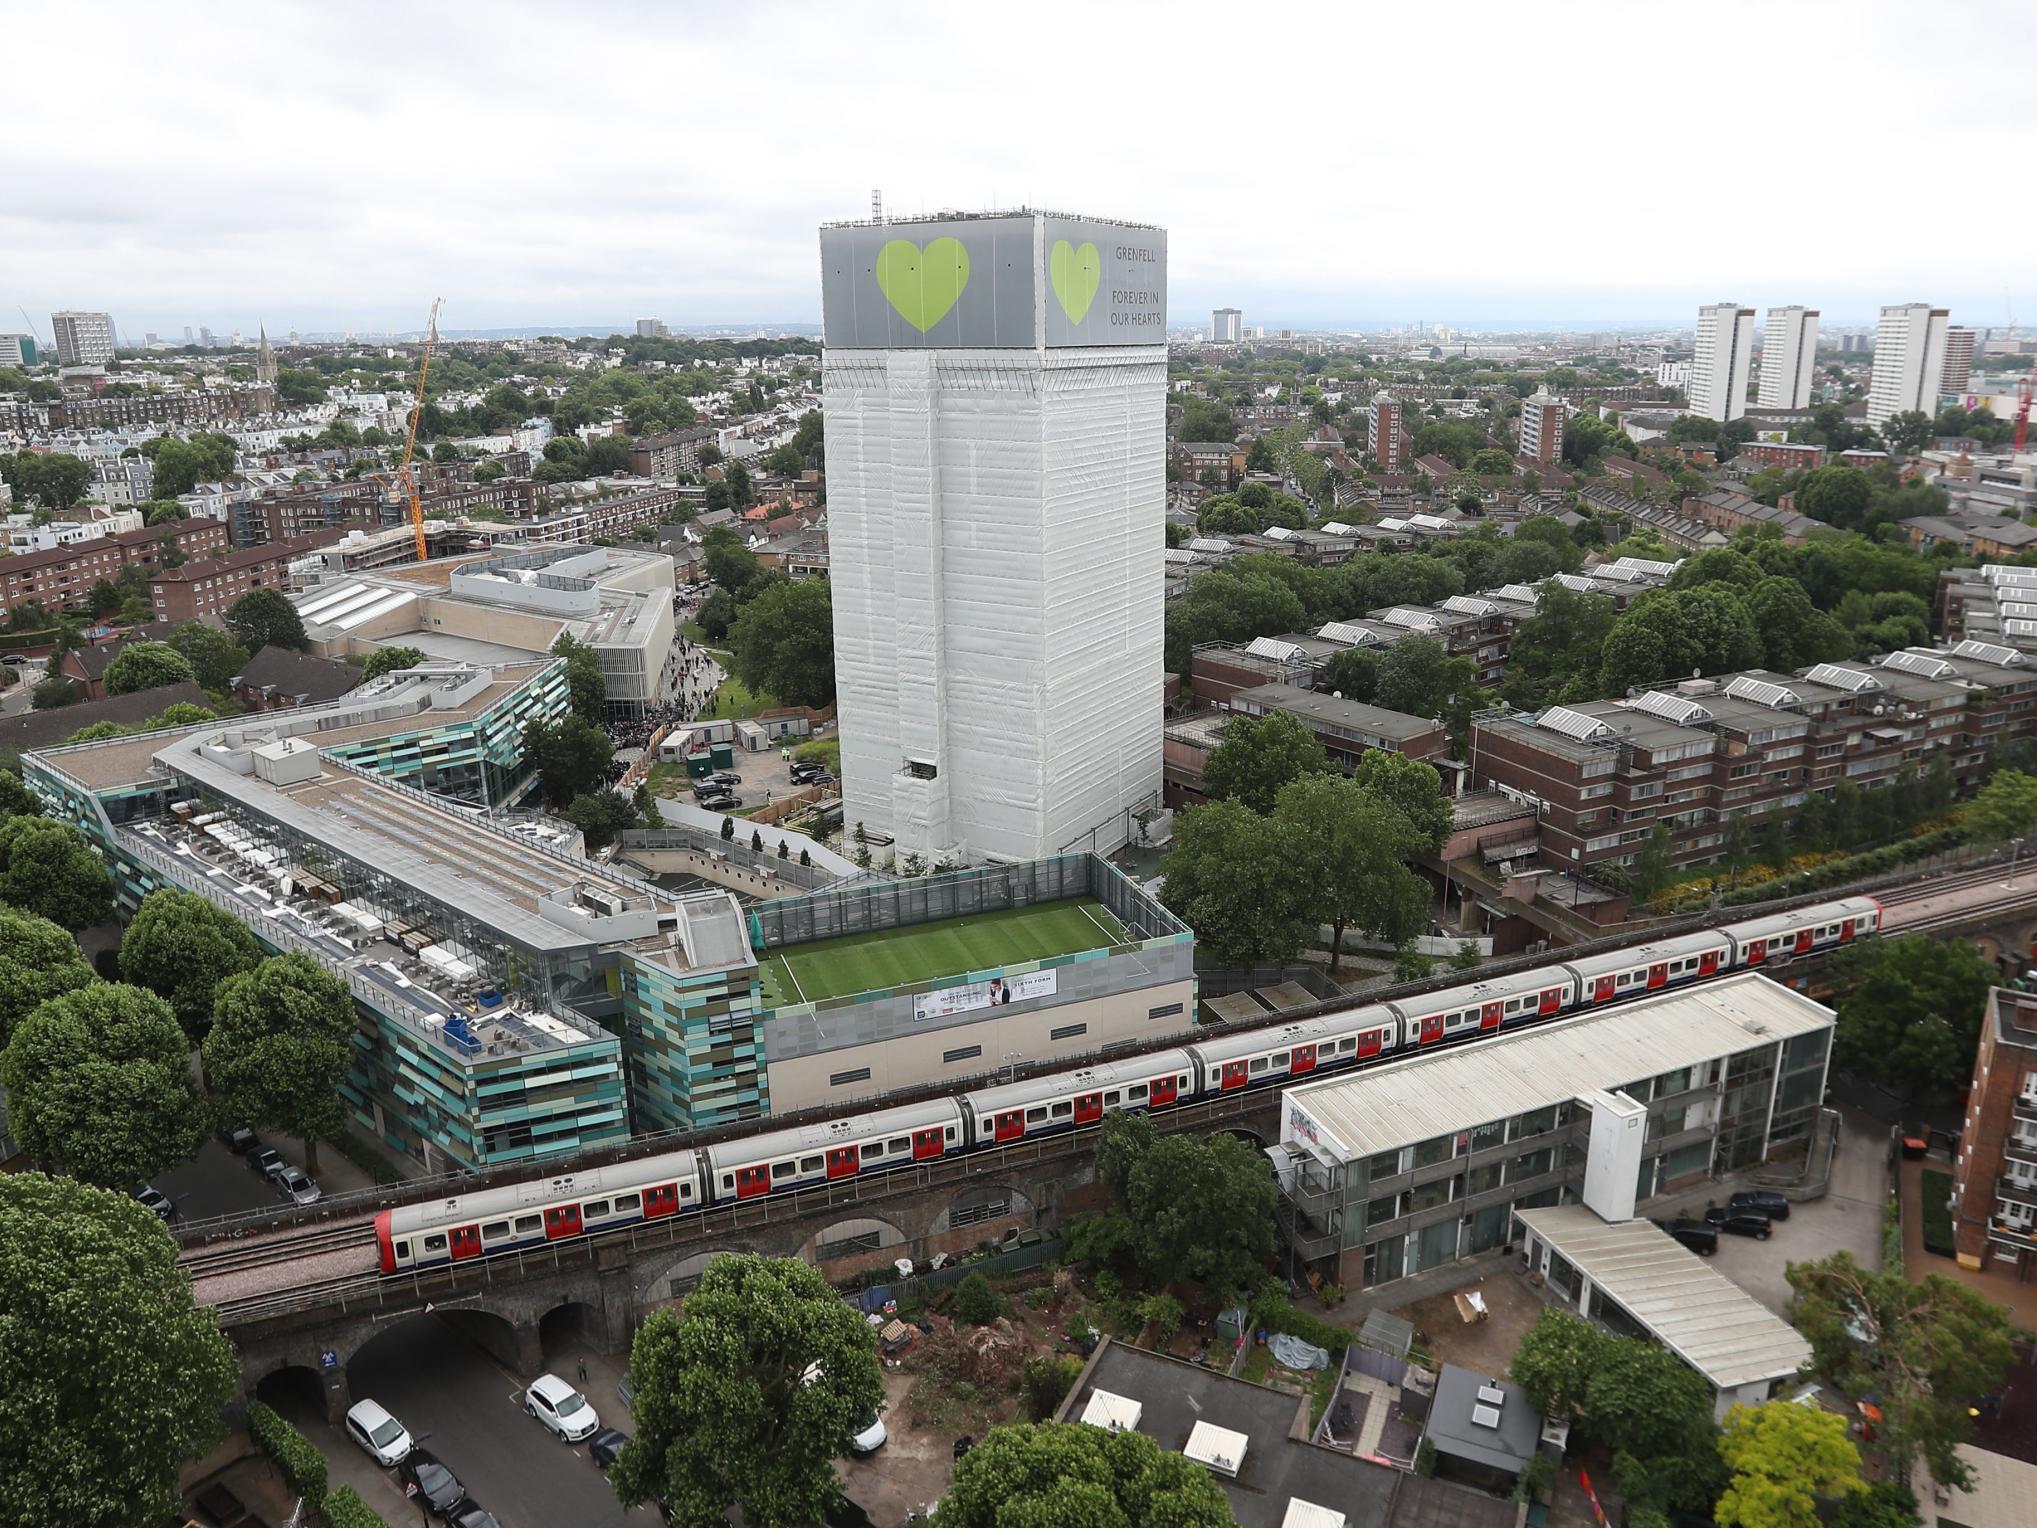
{"x": 1789, "y": 357}
{"x": 1909, "y": 360}
{"x": 1720, "y": 361}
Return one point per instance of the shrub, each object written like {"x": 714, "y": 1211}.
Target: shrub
{"x": 976, "y": 1301}
{"x": 1162, "y": 1312}
{"x": 1047, "y": 1383}
{"x": 1276, "y": 1313}
{"x": 345, "y": 1509}
{"x": 303, "y": 1466}
{"x": 1425, "y": 1458}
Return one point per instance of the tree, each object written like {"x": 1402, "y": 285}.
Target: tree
{"x": 181, "y": 465}
{"x": 718, "y": 614}
{"x": 1352, "y": 673}
{"x": 729, "y": 563}
{"x": 1350, "y": 842}
{"x": 600, "y": 815}
{"x": 99, "y": 1087}
{"x": 1203, "y": 419}
{"x": 1199, "y": 1208}
{"x": 1784, "y": 1460}
{"x": 147, "y": 666}
{"x": 1259, "y": 755}
{"x": 47, "y": 867}
{"x": 266, "y": 618}
{"x": 584, "y": 681}
{"x": 1414, "y": 789}
{"x": 388, "y": 660}
{"x": 38, "y": 961}
{"x": 1555, "y": 653}
{"x": 1655, "y": 864}
{"x": 1230, "y": 877}
{"x": 181, "y": 947}
{"x": 51, "y": 693}
{"x": 1909, "y": 432}
{"x": 1491, "y": 462}
{"x": 1836, "y": 495}
{"x": 1260, "y": 457}
{"x": 213, "y": 655}
{"x": 784, "y": 643}
{"x": 55, "y": 479}
{"x": 1926, "y": 1348}
{"x": 570, "y": 755}
{"x": 282, "y": 1037}
{"x": 746, "y": 1396}
{"x": 115, "y": 1378}
{"x": 1629, "y": 1396}
{"x": 1909, "y": 1009}
{"x": 2006, "y": 807}
{"x": 1794, "y": 632}
{"x": 977, "y": 1302}
{"x": 1411, "y": 677}
{"x": 1068, "y": 1475}
{"x": 16, "y": 799}
{"x": 1554, "y": 1363}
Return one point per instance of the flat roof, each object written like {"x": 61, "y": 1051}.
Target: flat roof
{"x": 1702, "y": 1316}
{"x": 1348, "y": 715}
{"x": 1504, "y": 1441}
{"x": 1422, "y": 1097}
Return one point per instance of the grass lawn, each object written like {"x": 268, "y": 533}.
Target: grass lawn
{"x": 738, "y": 701}
{"x": 669, "y": 779}
{"x": 895, "y": 957}
{"x": 1936, "y": 1189}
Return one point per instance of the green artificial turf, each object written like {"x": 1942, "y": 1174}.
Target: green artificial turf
{"x": 897, "y": 957}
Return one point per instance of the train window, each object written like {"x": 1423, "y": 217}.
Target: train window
{"x": 1348, "y": 1043}
{"x": 624, "y": 1203}
{"x": 1136, "y": 1093}
{"x": 1258, "y": 1065}
{"x": 594, "y": 1209}
{"x": 898, "y": 1145}
{"x": 525, "y": 1224}
{"x": 784, "y": 1169}
{"x": 1036, "y": 1116}
{"x": 434, "y": 1244}
{"x": 809, "y": 1164}
{"x": 950, "y": 1135}
{"x": 1182, "y": 1081}
{"x": 493, "y": 1229}
{"x": 1063, "y": 1110}
{"x": 728, "y": 1180}
{"x": 1111, "y": 1099}
{"x": 403, "y": 1249}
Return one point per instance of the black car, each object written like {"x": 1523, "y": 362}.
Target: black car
{"x": 1765, "y": 1201}
{"x": 724, "y": 777}
{"x": 723, "y": 802}
{"x": 265, "y": 1161}
{"x": 606, "y": 1444}
{"x": 471, "y": 1514}
{"x": 1694, "y": 1234}
{"x": 1739, "y": 1222}
{"x": 238, "y": 1139}
{"x": 424, "y": 1477}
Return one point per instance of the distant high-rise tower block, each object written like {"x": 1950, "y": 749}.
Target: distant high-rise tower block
{"x": 17, "y": 350}
{"x": 83, "y": 339}
{"x": 1720, "y": 362}
{"x": 1789, "y": 357}
{"x": 996, "y": 397}
{"x": 1389, "y": 441}
{"x": 1909, "y": 360}
{"x": 652, "y": 329}
{"x": 1226, "y": 326}
{"x": 1542, "y": 429}
{"x": 1956, "y": 373}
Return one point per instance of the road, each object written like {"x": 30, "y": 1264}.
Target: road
{"x": 216, "y": 1182}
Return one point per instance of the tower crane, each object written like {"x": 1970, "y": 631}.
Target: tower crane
{"x": 403, "y": 472}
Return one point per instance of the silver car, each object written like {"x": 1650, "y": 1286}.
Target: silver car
{"x": 295, "y": 1185}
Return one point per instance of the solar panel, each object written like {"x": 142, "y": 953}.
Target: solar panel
{"x": 1272, "y": 647}
{"x": 1492, "y": 1395}
{"x": 1674, "y": 707}
{"x": 1575, "y": 581}
{"x": 1573, "y": 724}
{"x": 1842, "y": 678}
{"x": 1522, "y": 592}
{"x": 1345, "y": 632}
{"x": 1927, "y": 664}
{"x": 1988, "y": 652}
{"x": 1761, "y": 692}
{"x": 1469, "y": 604}
{"x": 1418, "y": 620}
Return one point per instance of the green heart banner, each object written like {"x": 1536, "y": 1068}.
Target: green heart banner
{"x": 924, "y": 284}
{"x": 1076, "y": 273}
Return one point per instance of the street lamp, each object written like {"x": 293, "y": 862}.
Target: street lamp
{"x": 2015, "y": 846}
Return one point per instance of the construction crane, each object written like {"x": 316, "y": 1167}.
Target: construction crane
{"x": 2024, "y": 389}
{"x": 403, "y": 472}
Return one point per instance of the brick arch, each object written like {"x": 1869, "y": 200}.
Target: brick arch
{"x": 1991, "y": 947}
{"x": 667, "y": 1280}
{"x": 892, "y": 1240}
{"x": 979, "y": 1202}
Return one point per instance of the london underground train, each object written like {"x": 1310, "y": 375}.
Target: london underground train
{"x": 591, "y": 1201}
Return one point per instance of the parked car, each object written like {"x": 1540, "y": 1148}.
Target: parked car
{"x": 562, "y": 1409}
{"x": 1739, "y": 1222}
{"x": 471, "y": 1514}
{"x": 295, "y": 1185}
{"x": 606, "y": 1444}
{"x": 155, "y": 1201}
{"x": 725, "y": 777}
{"x": 238, "y": 1139}
{"x": 265, "y": 1161}
{"x": 870, "y": 1437}
{"x": 724, "y": 802}
{"x": 386, "y": 1440}
{"x": 1694, "y": 1234}
{"x": 425, "y": 1478}
{"x": 1765, "y": 1200}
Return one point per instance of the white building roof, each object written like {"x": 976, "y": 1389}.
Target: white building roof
{"x": 1703, "y": 1317}
{"x": 1113, "y": 1413}
{"x": 1422, "y": 1097}
{"x": 1216, "y": 1448}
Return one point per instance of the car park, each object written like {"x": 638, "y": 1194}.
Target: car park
{"x": 155, "y": 1201}
{"x": 296, "y": 1185}
{"x": 265, "y": 1161}
{"x": 564, "y": 1410}
{"x": 606, "y": 1444}
{"x": 238, "y": 1139}
{"x": 1765, "y": 1201}
{"x": 427, "y": 1480}
{"x": 1694, "y": 1234}
{"x": 1739, "y": 1222}
{"x": 386, "y": 1440}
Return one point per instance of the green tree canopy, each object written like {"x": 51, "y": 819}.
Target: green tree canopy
{"x": 1259, "y": 755}
{"x": 181, "y": 465}
{"x": 600, "y": 815}
{"x": 99, "y": 1086}
{"x": 213, "y": 655}
{"x": 181, "y": 947}
{"x": 1352, "y": 673}
{"x": 38, "y": 961}
{"x": 147, "y": 666}
{"x": 784, "y": 643}
{"x": 1199, "y": 1208}
{"x": 1909, "y": 1009}
{"x": 47, "y": 867}
{"x": 584, "y": 679}
{"x": 1555, "y": 653}
{"x": 746, "y": 1396}
{"x": 281, "y": 1039}
{"x": 1068, "y": 1475}
{"x": 266, "y": 618}
{"x": 389, "y": 660}
{"x": 55, "y": 479}
{"x": 114, "y": 1378}
{"x": 1628, "y": 1395}
{"x": 1415, "y": 789}
{"x": 1350, "y": 844}
{"x": 2006, "y": 807}
{"x": 727, "y": 561}
{"x": 1230, "y": 876}
{"x": 1203, "y": 419}
{"x": 570, "y": 755}
{"x": 1784, "y": 1460}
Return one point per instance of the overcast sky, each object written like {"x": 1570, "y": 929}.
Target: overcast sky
{"x": 1473, "y": 162}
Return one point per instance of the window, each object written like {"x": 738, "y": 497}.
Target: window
{"x": 966, "y": 1053}
{"x": 1136, "y": 1093}
{"x": 809, "y": 1164}
{"x": 1165, "y": 1011}
{"x": 783, "y": 1169}
{"x": 1036, "y": 1116}
{"x": 434, "y": 1244}
{"x": 898, "y": 1145}
{"x": 842, "y": 1079}
{"x": 1064, "y": 1110}
{"x": 594, "y": 1210}
{"x": 1430, "y": 1152}
{"x": 1258, "y": 1065}
{"x": 526, "y": 1224}
{"x": 872, "y": 1150}
{"x": 1385, "y": 1165}
{"x": 494, "y": 1229}
{"x": 626, "y": 1203}
{"x": 1067, "y": 1031}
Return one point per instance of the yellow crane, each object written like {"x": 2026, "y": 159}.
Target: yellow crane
{"x": 403, "y": 472}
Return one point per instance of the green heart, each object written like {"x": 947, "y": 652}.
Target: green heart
{"x": 923, "y": 284}
{"x": 1076, "y": 273}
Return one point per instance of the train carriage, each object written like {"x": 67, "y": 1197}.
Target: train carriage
{"x": 1782, "y": 936}
{"x": 1483, "y": 1006}
{"x": 841, "y": 1148}
{"x": 1041, "y": 1105}
{"x": 1294, "y": 1050}
{"x": 1650, "y": 967}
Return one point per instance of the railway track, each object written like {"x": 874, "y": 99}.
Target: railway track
{"x": 239, "y": 1254}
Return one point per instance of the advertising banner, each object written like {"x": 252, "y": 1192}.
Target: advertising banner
{"x": 943, "y": 1001}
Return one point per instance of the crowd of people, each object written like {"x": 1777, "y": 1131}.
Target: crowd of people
{"x": 694, "y": 691}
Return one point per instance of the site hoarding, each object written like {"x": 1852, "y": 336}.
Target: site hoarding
{"x": 999, "y": 282}
{"x": 946, "y": 1001}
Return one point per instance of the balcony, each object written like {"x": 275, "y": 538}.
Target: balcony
{"x": 2009, "y": 1191}
{"x": 2007, "y": 1234}
{"x": 2024, "y": 1106}
{"x": 2016, "y": 1149}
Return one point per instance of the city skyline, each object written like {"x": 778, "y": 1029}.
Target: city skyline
{"x": 552, "y": 226}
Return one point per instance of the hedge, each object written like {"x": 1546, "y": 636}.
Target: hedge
{"x": 1854, "y": 867}
{"x": 345, "y": 1509}
{"x": 1276, "y": 1313}
{"x": 303, "y": 1466}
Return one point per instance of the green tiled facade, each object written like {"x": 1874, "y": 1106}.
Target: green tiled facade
{"x": 696, "y": 1055}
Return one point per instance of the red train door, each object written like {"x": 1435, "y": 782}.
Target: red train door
{"x": 466, "y": 1241}
{"x": 1488, "y": 1016}
{"x": 1303, "y": 1060}
{"x": 1235, "y": 1075}
{"x": 1552, "y": 999}
{"x": 1708, "y": 963}
{"x": 1009, "y": 1126}
{"x": 661, "y": 1199}
{"x": 1757, "y": 951}
{"x": 1846, "y": 929}
{"x": 1432, "y": 1028}
{"x": 927, "y": 1143}
{"x": 1163, "y": 1091}
{"x": 841, "y": 1161}
{"x": 1088, "y": 1108}
{"x": 752, "y": 1181}
{"x": 1368, "y": 1043}
{"x": 563, "y": 1221}
{"x": 1603, "y": 990}
{"x": 1658, "y": 975}
{"x": 1804, "y": 940}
